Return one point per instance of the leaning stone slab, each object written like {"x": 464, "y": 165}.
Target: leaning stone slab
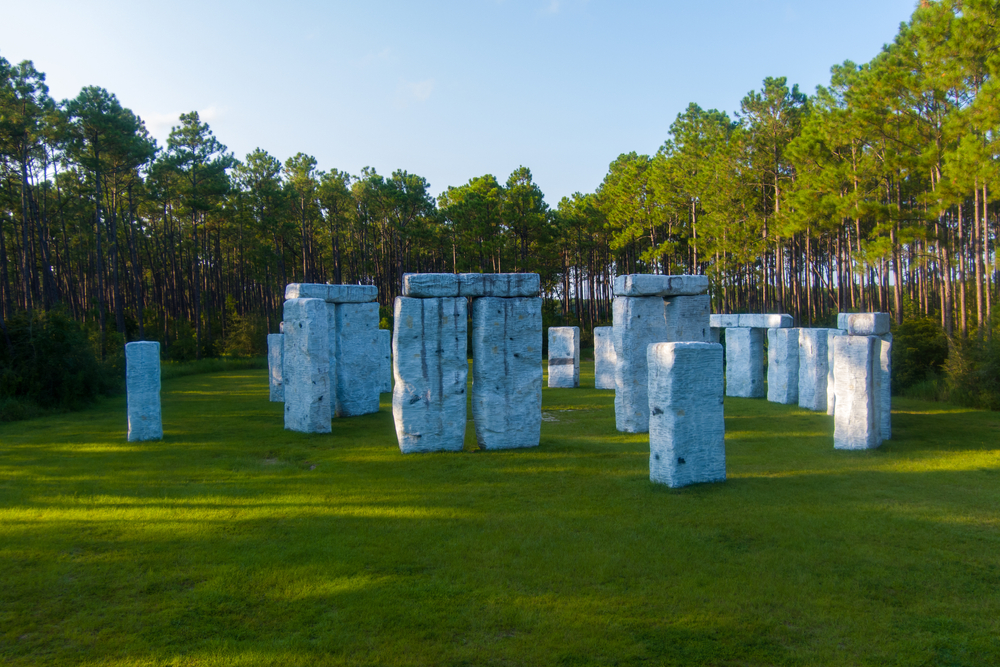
{"x": 500, "y": 285}
{"x": 647, "y": 284}
{"x": 831, "y": 394}
{"x": 430, "y": 369}
{"x": 766, "y": 321}
{"x": 306, "y": 374}
{"x": 604, "y": 358}
{"x": 783, "y": 366}
{"x": 868, "y": 324}
{"x": 142, "y": 385}
{"x": 332, "y": 293}
{"x": 430, "y": 285}
{"x": 717, "y": 321}
{"x": 857, "y": 386}
{"x": 275, "y": 362}
{"x": 507, "y": 371}
{"x": 885, "y": 384}
{"x": 385, "y": 360}
{"x": 814, "y": 368}
{"x": 564, "y": 357}
{"x": 358, "y": 362}
{"x": 686, "y": 424}
{"x": 745, "y": 363}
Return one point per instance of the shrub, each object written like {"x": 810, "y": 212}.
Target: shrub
{"x": 919, "y": 352}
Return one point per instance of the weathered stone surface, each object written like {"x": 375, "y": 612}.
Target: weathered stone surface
{"x": 687, "y": 318}
{"x": 686, "y": 424}
{"x": 648, "y": 284}
{"x": 564, "y": 357}
{"x": 831, "y": 394}
{"x": 638, "y": 322}
{"x": 868, "y": 324}
{"x": 332, "y": 293}
{"x": 500, "y": 285}
{"x": 814, "y": 368}
{"x": 275, "y": 362}
{"x": 430, "y": 285}
{"x": 717, "y": 321}
{"x": 604, "y": 358}
{"x": 857, "y": 386}
{"x": 507, "y": 371}
{"x": 885, "y": 386}
{"x": 385, "y": 360}
{"x": 306, "y": 371}
{"x": 842, "y": 320}
{"x": 281, "y": 327}
{"x": 745, "y": 363}
{"x": 142, "y": 386}
{"x": 358, "y": 362}
{"x": 783, "y": 366}
{"x": 766, "y": 321}
{"x": 430, "y": 369}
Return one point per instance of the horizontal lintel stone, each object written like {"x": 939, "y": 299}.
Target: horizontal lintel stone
{"x": 647, "y": 284}
{"x": 500, "y": 285}
{"x": 868, "y": 324}
{"x": 332, "y": 293}
{"x": 766, "y": 321}
{"x": 723, "y": 321}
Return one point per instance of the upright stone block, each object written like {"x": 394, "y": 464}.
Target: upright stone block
{"x": 856, "y": 420}
{"x": 604, "y": 358}
{"x": 745, "y": 363}
{"x": 686, "y": 425}
{"x": 142, "y": 385}
{"x": 783, "y": 366}
{"x": 638, "y": 322}
{"x": 564, "y": 357}
{"x": 430, "y": 368}
{"x": 507, "y": 371}
{"x": 831, "y": 394}
{"x": 813, "y": 368}
{"x": 687, "y": 318}
{"x": 275, "y": 362}
{"x": 385, "y": 360}
{"x": 885, "y": 384}
{"x": 306, "y": 373}
{"x": 358, "y": 362}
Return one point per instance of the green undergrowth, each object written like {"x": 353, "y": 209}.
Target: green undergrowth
{"x": 235, "y": 542}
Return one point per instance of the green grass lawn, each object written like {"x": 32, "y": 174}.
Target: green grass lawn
{"x": 235, "y": 542}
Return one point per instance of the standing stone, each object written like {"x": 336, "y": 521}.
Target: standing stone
{"x": 638, "y": 322}
{"x": 604, "y": 358}
{"x": 430, "y": 368}
{"x": 687, "y": 317}
{"x": 275, "y": 361}
{"x": 783, "y": 366}
{"x": 385, "y": 360}
{"x": 564, "y": 357}
{"x": 686, "y": 425}
{"x": 507, "y": 371}
{"x": 885, "y": 381}
{"x": 831, "y": 394}
{"x": 142, "y": 385}
{"x": 814, "y": 368}
{"x": 358, "y": 363}
{"x": 306, "y": 374}
{"x": 745, "y": 363}
{"x": 857, "y": 385}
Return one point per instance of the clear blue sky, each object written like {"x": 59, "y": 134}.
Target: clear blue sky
{"x": 447, "y": 90}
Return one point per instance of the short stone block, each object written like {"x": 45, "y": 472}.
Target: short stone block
{"x": 500, "y": 285}
{"x": 783, "y": 366}
{"x": 766, "y": 321}
{"x": 814, "y": 368}
{"x": 142, "y": 388}
{"x": 604, "y": 358}
{"x": 687, "y": 429}
{"x": 868, "y": 324}
{"x": 358, "y": 362}
{"x": 564, "y": 357}
{"x": 430, "y": 285}
{"x": 306, "y": 372}
{"x": 332, "y": 293}
{"x": 723, "y": 321}
{"x": 745, "y": 363}
{"x": 275, "y": 363}
{"x": 647, "y": 284}
{"x": 831, "y": 394}
{"x": 687, "y": 318}
{"x": 857, "y": 386}
{"x": 385, "y": 359}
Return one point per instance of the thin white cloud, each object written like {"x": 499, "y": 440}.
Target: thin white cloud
{"x": 553, "y": 7}
{"x": 411, "y": 92}
{"x": 160, "y": 124}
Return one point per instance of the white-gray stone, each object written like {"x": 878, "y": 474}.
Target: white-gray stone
{"x": 430, "y": 285}
{"x": 281, "y": 327}
{"x": 306, "y": 372}
{"x": 648, "y": 284}
{"x": 766, "y": 321}
{"x": 275, "y": 362}
{"x": 430, "y": 370}
{"x": 857, "y": 386}
{"x": 831, "y": 394}
{"x": 687, "y": 430}
{"x": 783, "y": 366}
{"x": 885, "y": 381}
{"x": 332, "y": 293}
{"x": 868, "y": 324}
{"x": 358, "y": 359}
{"x": 604, "y": 358}
{"x": 564, "y": 357}
{"x": 385, "y": 359}
{"x": 718, "y": 321}
{"x": 142, "y": 387}
{"x": 687, "y": 318}
{"x": 500, "y": 285}
{"x": 814, "y": 368}
{"x": 507, "y": 371}
{"x": 745, "y": 363}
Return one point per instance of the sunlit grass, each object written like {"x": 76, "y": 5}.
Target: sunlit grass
{"x": 235, "y": 542}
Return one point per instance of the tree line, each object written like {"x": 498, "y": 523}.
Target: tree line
{"x": 875, "y": 193}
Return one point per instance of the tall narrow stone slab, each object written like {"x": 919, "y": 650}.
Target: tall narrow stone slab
{"x": 306, "y": 374}
{"x": 831, "y": 394}
{"x": 564, "y": 357}
{"x": 856, "y": 420}
{"x": 275, "y": 362}
{"x": 813, "y": 368}
{"x": 358, "y": 361}
{"x": 885, "y": 385}
{"x": 507, "y": 371}
{"x": 745, "y": 363}
{"x": 142, "y": 386}
{"x": 430, "y": 369}
{"x": 604, "y": 358}
{"x": 638, "y": 322}
{"x": 385, "y": 360}
{"x": 783, "y": 366}
{"x": 686, "y": 425}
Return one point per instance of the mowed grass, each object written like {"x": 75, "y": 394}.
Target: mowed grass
{"x": 235, "y": 542}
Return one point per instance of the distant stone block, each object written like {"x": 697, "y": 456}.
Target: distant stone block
{"x": 686, "y": 425}
{"x": 868, "y": 324}
{"x": 358, "y": 359}
{"x": 814, "y": 368}
{"x": 647, "y": 284}
{"x": 275, "y": 363}
{"x": 564, "y": 357}
{"x": 332, "y": 293}
{"x": 783, "y": 366}
{"x": 717, "y": 321}
{"x": 142, "y": 386}
{"x": 499, "y": 285}
{"x": 766, "y": 321}
{"x": 745, "y": 363}
{"x": 856, "y": 421}
{"x": 430, "y": 285}
{"x": 385, "y": 359}
{"x": 306, "y": 373}
{"x": 604, "y": 358}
